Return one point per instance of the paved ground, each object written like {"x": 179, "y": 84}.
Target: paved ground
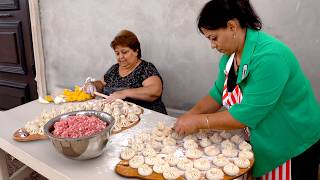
{"x": 14, "y": 165}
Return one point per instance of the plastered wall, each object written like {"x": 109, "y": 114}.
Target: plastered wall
{"x": 76, "y": 37}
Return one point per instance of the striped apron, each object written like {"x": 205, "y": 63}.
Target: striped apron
{"x": 234, "y": 97}
{"x": 282, "y": 172}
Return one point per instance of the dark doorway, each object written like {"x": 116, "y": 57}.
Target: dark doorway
{"x": 17, "y": 67}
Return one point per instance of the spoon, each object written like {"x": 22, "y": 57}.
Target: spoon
{"x": 23, "y": 133}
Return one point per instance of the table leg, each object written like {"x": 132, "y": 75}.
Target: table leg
{"x": 4, "y": 175}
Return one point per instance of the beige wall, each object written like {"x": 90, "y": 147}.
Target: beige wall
{"x": 76, "y": 37}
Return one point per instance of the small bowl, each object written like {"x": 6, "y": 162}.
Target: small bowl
{"x": 85, "y": 147}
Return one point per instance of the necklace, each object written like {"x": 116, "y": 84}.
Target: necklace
{"x": 125, "y": 72}
{"x": 236, "y": 63}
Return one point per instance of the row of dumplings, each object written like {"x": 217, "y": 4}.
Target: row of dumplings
{"x": 124, "y": 113}
{"x": 204, "y": 154}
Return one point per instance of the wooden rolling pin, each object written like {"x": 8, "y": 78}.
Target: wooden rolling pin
{"x": 101, "y": 95}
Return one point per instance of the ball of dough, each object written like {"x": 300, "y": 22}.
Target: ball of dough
{"x": 190, "y": 144}
{"x": 225, "y": 134}
{"x": 184, "y": 164}
{"x": 246, "y": 154}
{"x": 236, "y": 139}
{"x": 144, "y": 170}
{"x": 202, "y": 164}
{"x": 136, "y": 109}
{"x": 149, "y": 152}
{"x": 214, "y": 174}
{"x": 205, "y": 142}
{"x": 171, "y": 173}
{"x": 242, "y": 162}
{"x": 192, "y": 137}
{"x": 127, "y": 154}
{"x": 244, "y": 146}
{"x": 212, "y": 150}
{"x": 160, "y": 167}
{"x": 201, "y": 135}
{"x": 137, "y": 146}
{"x": 194, "y": 153}
{"x": 176, "y": 136}
{"x": 161, "y": 126}
{"x": 192, "y": 174}
{"x": 231, "y": 169}
{"x": 150, "y": 160}
{"x": 220, "y": 160}
{"x": 169, "y": 141}
{"x": 136, "y": 161}
{"x": 229, "y": 152}
{"x": 156, "y": 145}
{"x": 167, "y": 131}
{"x": 172, "y": 159}
{"x": 215, "y": 138}
{"x": 132, "y": 117}
{"x": 169, "y": 149}
{"x": 226, "y": 144}
{"x": 158, "y": 132}
{"x": 158, "y": 138}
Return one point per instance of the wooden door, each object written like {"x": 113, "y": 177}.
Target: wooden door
{"x": 17, "y": 67}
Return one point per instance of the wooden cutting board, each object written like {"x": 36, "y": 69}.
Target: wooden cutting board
{"x": 123, "y": 169}
{"x": 125, "y": 128}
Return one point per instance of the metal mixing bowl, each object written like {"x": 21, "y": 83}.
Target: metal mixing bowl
{"x": 85, "y": 147}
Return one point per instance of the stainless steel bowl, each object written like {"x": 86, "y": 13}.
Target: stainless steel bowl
{"x": 85, "y": 147}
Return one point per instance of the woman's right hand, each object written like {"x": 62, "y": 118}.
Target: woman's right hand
{"x": 188, "y": 124}
{"x": 89, "y": 88}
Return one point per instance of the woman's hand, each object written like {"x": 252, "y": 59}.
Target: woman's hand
{"x": 89, "y": 88}
{"x": 188, "y": 124}
{"x": 117, "y": 95}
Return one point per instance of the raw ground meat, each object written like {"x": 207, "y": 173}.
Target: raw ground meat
{"x": 78, "y": 126}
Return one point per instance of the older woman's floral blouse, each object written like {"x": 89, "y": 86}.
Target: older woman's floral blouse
{"x": 114, "y": 82}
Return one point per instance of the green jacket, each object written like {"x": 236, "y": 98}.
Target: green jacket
{"x": 278, "y": 104}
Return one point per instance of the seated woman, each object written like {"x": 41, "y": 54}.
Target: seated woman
{"x": 131, "y": 78}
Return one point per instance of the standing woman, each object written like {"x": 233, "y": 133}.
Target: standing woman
{"x": 263, "y": 88}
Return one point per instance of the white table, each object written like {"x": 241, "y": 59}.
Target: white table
{"x": 43, "y": 158}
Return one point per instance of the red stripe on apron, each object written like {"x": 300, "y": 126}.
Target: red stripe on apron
{"x": 233, "y": 99}
{"x": 280, "y": 173}
{"x": 288, "y": 174}
{"x": 228, "y": 102}
{"x": 225, "y": 95}
{"x": 284, "y": 167}
{"x": 274, "y": 175}
{"x": 237, "y": 89}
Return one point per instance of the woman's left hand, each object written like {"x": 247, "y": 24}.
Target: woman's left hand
{"x": 188, "y": 124}
{"x": 117, "y": 95}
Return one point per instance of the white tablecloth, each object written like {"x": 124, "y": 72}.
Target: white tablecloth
{"x": 43, "y": 158}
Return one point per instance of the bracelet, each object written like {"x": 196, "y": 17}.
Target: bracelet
{"x": 207, "y": 119}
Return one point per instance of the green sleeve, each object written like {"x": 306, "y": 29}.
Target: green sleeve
{"x": 262, "y": 88}
{"x": 217, "y": 88}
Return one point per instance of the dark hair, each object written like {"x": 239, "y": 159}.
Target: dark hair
{"x": 128, "y": 39}
{"x": 216, "y": 14}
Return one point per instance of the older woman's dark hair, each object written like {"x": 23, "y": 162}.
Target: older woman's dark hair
{"x": 216, "y": 14}
{"x": 128, "y": 39}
